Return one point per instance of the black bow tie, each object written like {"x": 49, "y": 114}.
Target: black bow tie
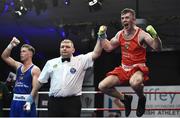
{"x": 65, "y": 59}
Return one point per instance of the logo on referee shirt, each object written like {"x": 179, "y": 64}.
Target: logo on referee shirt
{"x": 72, "y": 70}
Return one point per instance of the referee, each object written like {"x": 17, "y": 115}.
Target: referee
{"x": 66, "y": 74}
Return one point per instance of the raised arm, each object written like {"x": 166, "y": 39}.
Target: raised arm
{"x": 152, "y": 39}
{"x": 7, "y": 52}
{"x": 107, "y": 45}
{"x": 97, "y": 50}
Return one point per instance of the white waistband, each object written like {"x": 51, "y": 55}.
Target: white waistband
{"x": 20, "y": 97}
{"x": 127, "y": 67}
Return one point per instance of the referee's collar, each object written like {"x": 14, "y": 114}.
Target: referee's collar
{"x": 67, "y": 59}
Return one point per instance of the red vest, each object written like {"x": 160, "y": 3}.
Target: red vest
{"x": 132, "y": 52}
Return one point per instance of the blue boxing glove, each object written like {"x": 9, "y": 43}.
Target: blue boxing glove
{"x": 102, "y": 32}
{"x": 28, "y": 103}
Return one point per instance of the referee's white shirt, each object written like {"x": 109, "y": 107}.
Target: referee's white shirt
{"x": 66, "y": 77}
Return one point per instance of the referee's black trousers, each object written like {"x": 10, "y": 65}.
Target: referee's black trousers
{"x": 64, "y": 106}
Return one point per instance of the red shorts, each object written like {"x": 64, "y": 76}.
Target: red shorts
{"x": 124, "y": 75}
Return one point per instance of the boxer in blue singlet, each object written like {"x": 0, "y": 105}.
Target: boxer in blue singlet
{"x": 27, "y": 74}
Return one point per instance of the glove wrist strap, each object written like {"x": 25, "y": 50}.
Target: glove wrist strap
{"x": 30, "y": 99}
{"x": 102, "y": 36}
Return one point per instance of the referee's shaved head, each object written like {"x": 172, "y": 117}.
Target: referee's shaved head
{"x": 68, "y": 41}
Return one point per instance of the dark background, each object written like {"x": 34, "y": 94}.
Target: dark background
{"x": 44, "y": 27}
{"x": 45, "y": 30}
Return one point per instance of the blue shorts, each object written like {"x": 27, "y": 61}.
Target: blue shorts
{"x": 17, "y": 109}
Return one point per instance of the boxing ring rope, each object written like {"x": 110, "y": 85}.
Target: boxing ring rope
{"x": 105, "y": 109}
{"x": 110, "y": 109}
{"x": 97, "y": 92}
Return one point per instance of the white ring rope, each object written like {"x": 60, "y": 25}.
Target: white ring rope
{"x": 108, "y": 109}
{"x": 105, "y": 109}
{"x": 96, "y": 92}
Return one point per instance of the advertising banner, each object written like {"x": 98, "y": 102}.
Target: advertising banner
{"x": 162, "y": 102}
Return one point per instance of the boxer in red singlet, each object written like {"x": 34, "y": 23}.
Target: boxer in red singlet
{"x": 133, "y": 42}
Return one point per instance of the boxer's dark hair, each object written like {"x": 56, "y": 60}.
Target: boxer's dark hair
{"x": 128, "y": 10}
{"x": 29, "y": 47}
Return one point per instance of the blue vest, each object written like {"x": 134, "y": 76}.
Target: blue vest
{"x": 23, "y": 84}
